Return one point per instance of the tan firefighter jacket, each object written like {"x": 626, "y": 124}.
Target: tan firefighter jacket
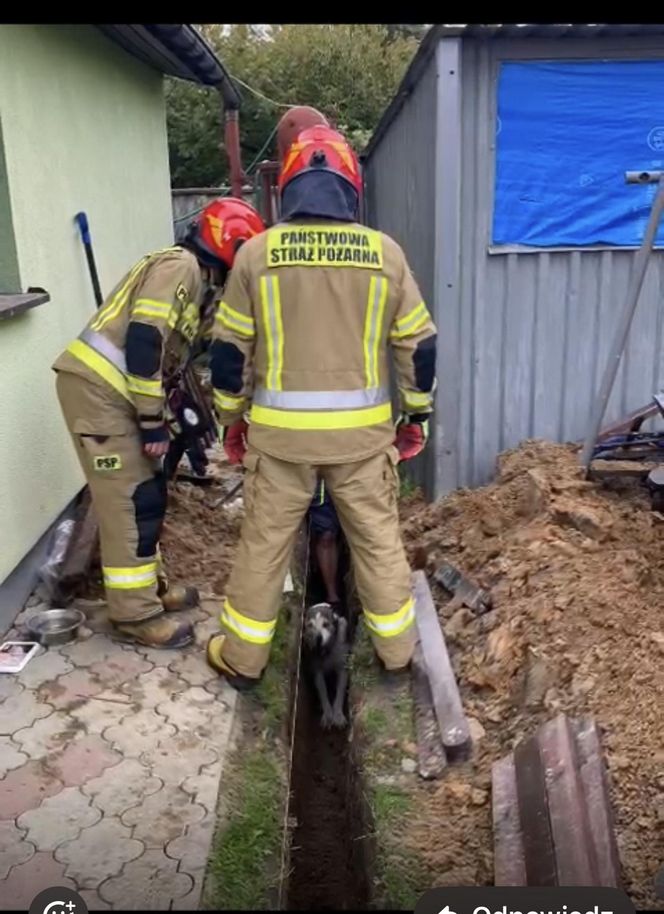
{"x": 302, "y": 336}
{"x": 145, "y": 326}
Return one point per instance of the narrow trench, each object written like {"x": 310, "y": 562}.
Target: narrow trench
{"x": 329, "y": 854}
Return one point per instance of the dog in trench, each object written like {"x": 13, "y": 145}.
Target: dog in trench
{"x": 326, "y": 651}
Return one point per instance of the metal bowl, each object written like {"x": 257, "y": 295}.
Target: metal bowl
{"x": 55, "y": 626}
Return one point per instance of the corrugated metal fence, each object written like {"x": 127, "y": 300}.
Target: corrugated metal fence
{"x": 526, "y": 334}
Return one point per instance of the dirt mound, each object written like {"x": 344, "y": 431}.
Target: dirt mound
{"x": 199, "y": 538}
{"x": 576, "y": 570}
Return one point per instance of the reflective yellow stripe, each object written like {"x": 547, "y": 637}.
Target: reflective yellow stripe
{"x": 245, "y": 628}
{"x": 144, "y": 386}
{"x": 112, "y": 309}
{"x": 225, "y": 401}
{"x": 411, "y": 323}
{"x": 416, "y": 399}
{"x": 147, "y": 307}
{"x": 274, "y": 330}
{"x": 234, "y": 320}
{"x": 100, "y": 366}
{"x": 373, "y": 328}
{"x": 394, "y": 624}
{"x": 130, "y": 578}
{"x": 316, "y": 421}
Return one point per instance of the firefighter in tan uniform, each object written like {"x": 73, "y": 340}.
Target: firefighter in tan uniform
{"x": 301, "y": 342}
{"x": 110, "y": 383}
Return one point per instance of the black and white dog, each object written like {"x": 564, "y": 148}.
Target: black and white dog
{"x": 326, "y": 651}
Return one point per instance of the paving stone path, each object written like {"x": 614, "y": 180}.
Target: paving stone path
{"x": 111, "y": 758}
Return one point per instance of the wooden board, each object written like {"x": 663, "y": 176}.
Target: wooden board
{"x": 568, "y": 814}
{"x": 534, "y": 814}
{"x": 552, "y": 817}
{"x": 595, "y": 786}
{"x": 454, "y": 729}
{"x": 431, "y": 758}
{"x": 509, "y": 859}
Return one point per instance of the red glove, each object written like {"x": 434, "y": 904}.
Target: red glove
{"x": 235, "y": 441}
{"x": 411, "y": 437}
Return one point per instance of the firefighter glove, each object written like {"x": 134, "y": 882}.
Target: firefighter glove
{"x": 235, "y": 441}
{"x": 412, "y": 435}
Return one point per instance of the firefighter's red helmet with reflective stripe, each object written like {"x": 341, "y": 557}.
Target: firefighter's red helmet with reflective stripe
{"x": 223, "y": 227}
{"x": 321, "y": 148}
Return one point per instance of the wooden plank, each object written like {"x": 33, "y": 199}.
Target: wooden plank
{"x": 509, "y": 862}
{"x": 431, "y": 758}
{"x": 595, "y": 787}
{"x": 534, "y": 814}
{"x": 574, "y": 850}
{"x": 454, "y": 729}
{"x": 12, "y": 304}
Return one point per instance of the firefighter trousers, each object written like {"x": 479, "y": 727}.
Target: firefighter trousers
{"x": 128, "y": 492}
{"x": 277, "y": 496}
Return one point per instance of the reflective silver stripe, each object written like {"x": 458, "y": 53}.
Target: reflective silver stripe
{"x": 321, "y": 399}
{"x": 106, "y": 348}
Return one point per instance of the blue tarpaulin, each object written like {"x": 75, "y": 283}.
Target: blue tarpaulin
{"x": 567, "y": 132}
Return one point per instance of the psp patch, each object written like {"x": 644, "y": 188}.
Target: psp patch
{"x": 104, "y": 464}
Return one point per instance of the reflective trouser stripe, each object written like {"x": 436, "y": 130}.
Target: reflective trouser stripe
{"x": 411, "y": 323}
{"x": 373, "y": 327}
{"x": 318, "y": 421}
{"x": 245, "y": 628}
{"x": 393, "y": 624}
{"x": 321, "y": 399}
{"x": 274, "y": 330}
{"x": 100, "y": 365}
{"x": 131, "y": 578}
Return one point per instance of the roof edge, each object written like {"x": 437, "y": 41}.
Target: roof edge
{"x": 176, "y": 50}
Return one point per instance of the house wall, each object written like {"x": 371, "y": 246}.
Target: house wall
{"x": 83, "y": 128}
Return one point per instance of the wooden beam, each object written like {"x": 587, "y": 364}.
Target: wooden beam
{"x": 568, "y": 815}
{"x": 509, "y": 862}
{"x": 454, "y": 729}
{"x": 534, "y": 814}
{"x": 431, "y": 759}
{"x": 595, "y": 787}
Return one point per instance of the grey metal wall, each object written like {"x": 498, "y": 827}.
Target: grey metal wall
{"x": 400, "y": 196}
{"x": 535, "y": 328}
{"x": 523, "y": 337}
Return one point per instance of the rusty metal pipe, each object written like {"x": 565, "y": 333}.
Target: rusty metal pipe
{"x": 232, "y": 146}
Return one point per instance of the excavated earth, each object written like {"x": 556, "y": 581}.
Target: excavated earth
{"x": 576, "y": 570}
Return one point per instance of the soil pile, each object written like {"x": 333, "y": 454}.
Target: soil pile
{"x": 576, "y": 570}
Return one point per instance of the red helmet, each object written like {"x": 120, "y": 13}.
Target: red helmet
{"x": 294, "y": 121}
{"x": 321, "y": 148}
{"x": 222, "y": 228}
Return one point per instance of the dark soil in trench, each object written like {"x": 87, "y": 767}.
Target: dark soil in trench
{"x": 329, "y": 852}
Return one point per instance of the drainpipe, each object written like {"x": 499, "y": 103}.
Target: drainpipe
{"x": 232, "y": 147}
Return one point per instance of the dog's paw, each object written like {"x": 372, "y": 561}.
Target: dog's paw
{"x": 339, "y": 720}
{"x": 327, "y": 720}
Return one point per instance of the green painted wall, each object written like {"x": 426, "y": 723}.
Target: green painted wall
{"x": 83, "y": 126}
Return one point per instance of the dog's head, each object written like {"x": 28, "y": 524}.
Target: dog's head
{"x": 320, "y": 626}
